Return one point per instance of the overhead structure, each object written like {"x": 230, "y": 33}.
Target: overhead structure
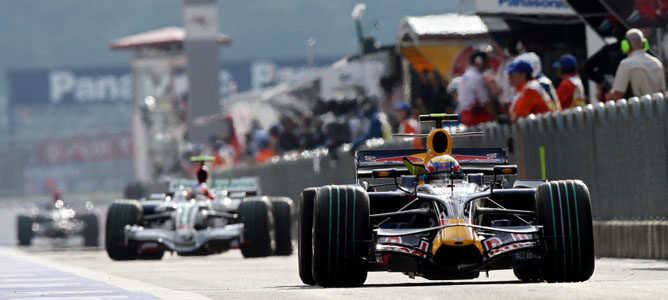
{"x": 171, "y": 37}
{"x": 160, "y": 92}
{"x": 435, "y": 42}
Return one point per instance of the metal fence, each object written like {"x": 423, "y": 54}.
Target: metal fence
{"x": 618, "y": 149}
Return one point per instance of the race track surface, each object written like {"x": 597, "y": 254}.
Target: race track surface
{"x": 229, "y": 276}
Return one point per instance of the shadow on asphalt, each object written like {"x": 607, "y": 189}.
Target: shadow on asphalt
{"x": 407, "y": 284}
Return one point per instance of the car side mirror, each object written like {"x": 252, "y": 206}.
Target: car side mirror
{"x": 414, "y": 169}
{"x": 505, "y": 170}
{"x": 384, "y": 173}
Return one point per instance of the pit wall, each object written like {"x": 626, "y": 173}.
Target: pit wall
{"x": 619, "y": 149}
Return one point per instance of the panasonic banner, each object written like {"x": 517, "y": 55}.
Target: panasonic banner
{"x": 538, "y": 7}
{"x": 62, "y": 86}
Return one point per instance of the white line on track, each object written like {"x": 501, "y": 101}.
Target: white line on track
{"x": 75, "y": 298}
{"x": 37, "y": 285}
{"x": 124, "y": 283}
{"x": 40, "y": 279}
{"x": 58, "y": 292}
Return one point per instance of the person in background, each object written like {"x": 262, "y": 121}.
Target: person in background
{"x": 265, "y": 150}
{"x": 513, "y": 49}
{"x": 643, "y": 71}
{"x": 274, "y": 133}
{"x": 571, "y": 92}
{"x": 451, "y": 91}
{"x": 309, "y": 138}
{"x": 378, "y": 125}
{"x": 530, "y": 97}
{"x": 421, "y": 92}
{"x": 537, "y": 73}
{"x": 475, "y": 102}
{"x": 408, "y": 125}
{"x": 288, "y": 139}
{"x": 436, "y": 102}
{"x": 602, "y": 66}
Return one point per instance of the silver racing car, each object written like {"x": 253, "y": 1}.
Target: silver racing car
{"x": 192, "y": 224}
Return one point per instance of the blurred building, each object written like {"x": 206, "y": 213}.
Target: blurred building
{"x": 69, "y": 127}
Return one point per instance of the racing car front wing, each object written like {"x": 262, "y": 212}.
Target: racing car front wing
{"x": 184, "y": 240}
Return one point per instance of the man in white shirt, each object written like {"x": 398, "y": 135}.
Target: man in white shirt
{"x": 643, "y": 71}
{"x": 475, "y": 103}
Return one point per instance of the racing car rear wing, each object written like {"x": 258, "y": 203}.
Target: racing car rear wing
{"x": 395, "y": 158}
{"x": 249, "y": 185}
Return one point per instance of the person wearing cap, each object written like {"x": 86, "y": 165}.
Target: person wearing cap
{"x": 530, "y": 97}
{"x": 571, "y": 92}
{"x": 643, "y": 71}
{"x": 475, "y": 101}
{"x": 408, "y": 124}
{"x": 537, "y": 73}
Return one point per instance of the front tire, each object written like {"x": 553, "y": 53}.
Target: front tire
{"x": 120, "y": 214}
{"x": 564, "y": 211}
{"x": 305, "y": 228}
{"x": 282, "y": 213}
{"x": 528, "y": 273}
{"x": 258, "y": 238}
{"x": 341, "y": 235}
{"x": 91, "y": 231}
{"x": 24, "y": 230}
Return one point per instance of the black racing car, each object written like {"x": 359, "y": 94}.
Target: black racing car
{"x": 450, "y": 214}
{"x": 58, "y": 220}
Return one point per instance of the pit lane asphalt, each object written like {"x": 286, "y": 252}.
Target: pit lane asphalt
{"x": 230, "y": 276}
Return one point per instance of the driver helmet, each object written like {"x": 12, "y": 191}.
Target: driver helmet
{"x": 441, "y": 164}
{"x": 202, "y": 174}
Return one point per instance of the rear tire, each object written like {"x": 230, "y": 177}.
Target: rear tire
{"x": 255, "y": 214}
{"x": 24, "y": 230}
{"x": 91, "y": 231}
{"x": 282, "y": 212}
{"x": 564, "y": 211}
{"x": 121, "y": 213}
{"x": 305, "y": 244}
{"x": 341, "y": 235}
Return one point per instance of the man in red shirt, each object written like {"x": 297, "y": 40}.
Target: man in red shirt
{"x": 571, "y": 92}
{"x": 530, "y": 98}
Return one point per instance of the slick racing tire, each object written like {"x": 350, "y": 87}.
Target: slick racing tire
{"x": 91, "y": 231}
{"x": 564, "y": 210}
{"x": 528, "y": 273}
{"x": 305, "y": 228}
{"x": 24, "y": 230}
{"x": 281, "y": 209}
{"x": 153, "y": 254}
{"x": 121, "y": 213}
{"x": 341, "y": 235}
{"x": 259, "y": 233}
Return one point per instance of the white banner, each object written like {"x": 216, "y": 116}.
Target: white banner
{"x": 535, "y": 7}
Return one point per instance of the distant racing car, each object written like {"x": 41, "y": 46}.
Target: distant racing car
{"x": 58, "y": 220}
{"x": 229, "y": 214}
{"x": 451, "y": 215}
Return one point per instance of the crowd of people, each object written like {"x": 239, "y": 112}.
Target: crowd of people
{"x": 515, "y": 90}
{"x": 329, "y": 124}
{"x": 520, "y": 88}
